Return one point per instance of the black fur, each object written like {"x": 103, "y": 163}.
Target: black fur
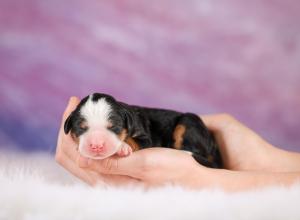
{"x": 74, "y": 121}
{"x": 152, "y": 127}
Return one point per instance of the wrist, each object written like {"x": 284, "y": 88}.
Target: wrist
{"x": 221, "y": 179}
{"x": 264, "y": 158}
{"x": 209, "y": 178}
{"x": 267, "y": 158}
{"x": 284, "y": 161}
{"x": 202, "y": 177}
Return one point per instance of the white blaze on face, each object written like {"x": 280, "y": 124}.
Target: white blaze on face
{"x": 96, "y": 114}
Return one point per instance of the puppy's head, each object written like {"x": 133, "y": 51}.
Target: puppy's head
{"x": 100, "y": 124}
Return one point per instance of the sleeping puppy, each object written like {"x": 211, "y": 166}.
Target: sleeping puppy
{"x": 101, "y": 125}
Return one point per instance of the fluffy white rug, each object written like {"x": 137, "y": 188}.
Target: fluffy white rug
{"x": 34, "y": 187}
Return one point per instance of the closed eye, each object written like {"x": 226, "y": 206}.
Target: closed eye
{"x": 79, "y": 130}
{"x": 83, "y": 127}
{"x": 115, "y": 129}
{"x": 80, "y": 127}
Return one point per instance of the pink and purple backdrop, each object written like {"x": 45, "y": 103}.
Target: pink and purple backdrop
{"x": 240, "y": 57}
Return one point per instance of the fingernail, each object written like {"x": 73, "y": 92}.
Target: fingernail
{"x": 84, "y": 162}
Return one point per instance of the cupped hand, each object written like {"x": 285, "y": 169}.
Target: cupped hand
{"x": 240, "y": 147}
{"x": 153, "y": 167}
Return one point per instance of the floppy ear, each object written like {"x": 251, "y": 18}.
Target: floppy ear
{"x": 137, "y": 126}
{"x": 129, "y": 120}
{"x": 68, "y": 123}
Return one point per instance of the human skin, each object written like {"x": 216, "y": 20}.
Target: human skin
{"x": 249, "y": 161}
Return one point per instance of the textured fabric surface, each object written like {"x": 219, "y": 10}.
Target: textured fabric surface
{"x": 240, "y": 57}
{"x": 33, "y": 187}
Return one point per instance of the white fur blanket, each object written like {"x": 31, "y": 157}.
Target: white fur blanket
{"x": 33, "y": 187}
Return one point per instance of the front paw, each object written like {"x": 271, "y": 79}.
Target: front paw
{"x": 124, "y": 151}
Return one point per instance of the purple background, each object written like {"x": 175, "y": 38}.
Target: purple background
{"x": 240, "y": 57}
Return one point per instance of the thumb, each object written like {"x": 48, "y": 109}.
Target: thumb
{"x": 73, "y": 102}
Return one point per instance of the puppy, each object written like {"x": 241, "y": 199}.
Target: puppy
{"x": 101, "y": 125}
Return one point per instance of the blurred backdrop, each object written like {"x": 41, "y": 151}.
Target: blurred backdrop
{"x": 203, "y": 56}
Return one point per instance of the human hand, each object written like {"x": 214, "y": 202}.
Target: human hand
{"x": 67, "y": 156}
{"x": 160, "y": 166}
{"x": 153, "y": 167}
{"x": 240, "y": 147}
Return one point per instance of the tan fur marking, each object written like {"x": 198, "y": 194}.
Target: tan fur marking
{"x": 210, "y": 158}
{"x": 122, "y": 136}
{"x": 178, "y": 136}
{"x": 83, "y": 125}
{"x": 132, "y": 143}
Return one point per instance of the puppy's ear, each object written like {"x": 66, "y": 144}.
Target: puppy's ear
{"x": 136, "y": 125}
{"x": 69, "y": 123}
{"x": 140, "y": 128}
{"x": 129, "y": 120}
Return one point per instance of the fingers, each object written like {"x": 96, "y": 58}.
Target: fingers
{"x": 93, "y": 178}
{"x": 65, "y": 142}
{"x": 66, "y": 153}
{"x": 128, "y": 166}
{"x": 88, "y": 177}
{"x": 73, "y": 102}
{"x": 67, "y": 146}
{"x": 109, "y": 170}
{"x": 119, "y": 180}
{"x": 139, "y": 164}
{"x": 124, "y": 151}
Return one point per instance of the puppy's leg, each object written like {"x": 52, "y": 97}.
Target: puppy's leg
{"x": 124, "y": 151}
{"x": 190, "y": 134}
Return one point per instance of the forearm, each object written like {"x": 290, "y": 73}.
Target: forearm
{"x": 234, "y": 181}
{"x": 284, "y": 161}
{"x": 270, "y": 159}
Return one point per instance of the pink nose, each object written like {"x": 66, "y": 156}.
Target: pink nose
{"x": 97, "y": 147}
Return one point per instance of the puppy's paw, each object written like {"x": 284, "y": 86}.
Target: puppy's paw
{"x": 124, "y": 151}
